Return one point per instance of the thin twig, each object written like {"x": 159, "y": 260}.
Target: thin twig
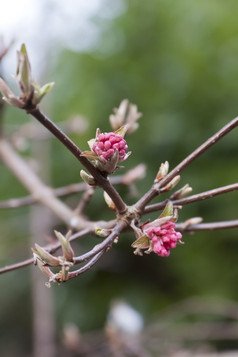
{"x": 52, "y": 248}
{"x": 83, "y": 203}
{"x": 194, "y": 198}
{"x": 120, "y": 226}
{"x": 37, "y": 188}
{"x": 74, "y": 149}
{"x": 86, "y": 267}
{"x": 100, "y": 247}
{"x": 207, "y": 226}
{"x": 96, "y": 253}
{"x": 155, "y": 190}
{"x": 128, "y": 178}
{"x": 16, "y": 266}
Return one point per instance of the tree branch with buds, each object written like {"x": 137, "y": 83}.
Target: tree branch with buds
{"x": 106, "y": 151}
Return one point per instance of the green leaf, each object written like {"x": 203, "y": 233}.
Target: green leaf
{"x": 142, "y": 243}
{"x": 168, "y": 210}
{"x": 122, "y": 130}
{"x": 44, "y": 256}
{"x": 23, "y": 76}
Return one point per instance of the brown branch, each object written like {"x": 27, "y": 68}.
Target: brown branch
{"x": 207, "y": 226}
{"x": 37, "y": 188}
{"x": 194, "y": 198}
{"x": 155, "y": 190}
{"x": 74, "y": 149}
{"x": 83, "y": 203}
{"x": 126, "y": 179}
{"x": 16, "y": 266}
{"x": 17, "y": 202}
{"x": 94, "y": 254}
{"x": 98, "y": 250}
{"x": 86, "y": 267}
{"x": 120, "y": 226}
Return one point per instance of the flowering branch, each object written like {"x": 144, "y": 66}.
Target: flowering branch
{"x": 101, "y": 180}
{"x": 107, "y": 150}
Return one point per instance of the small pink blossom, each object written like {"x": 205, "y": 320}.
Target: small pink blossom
{"x": 163, "y": 238}
{"x": 106, "y": 145}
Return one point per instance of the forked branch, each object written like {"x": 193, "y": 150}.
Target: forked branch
{"x": 106, "y": 151}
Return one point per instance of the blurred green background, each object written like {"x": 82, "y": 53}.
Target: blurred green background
{"x": 178, "y": 62}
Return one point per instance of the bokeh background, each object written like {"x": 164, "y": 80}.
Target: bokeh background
{"x": 178, "y": 62}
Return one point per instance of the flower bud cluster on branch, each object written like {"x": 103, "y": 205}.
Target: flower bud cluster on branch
{"x": 107, "y": 150}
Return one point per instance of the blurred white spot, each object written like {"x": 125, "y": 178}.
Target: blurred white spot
{"x": 125, "y": 318}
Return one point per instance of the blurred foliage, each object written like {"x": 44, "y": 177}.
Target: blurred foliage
{"x": 178, "y": 62}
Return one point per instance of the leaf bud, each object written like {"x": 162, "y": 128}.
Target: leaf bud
{"x": 172, "y": 183}
{"x": 23, "y": 75}
{"x": 183, "y": 192}
{"x": 88, "y": 179}
{"x": 9, "y": 96}
{"x": 45, "y": 257}
{"x": 109, "y": 201}
{"x": 68, "y": 253}
{"x": 40, "y": 92}
{"x": 163, "y": 171}
{"x": 128, "y": 114}
{"x": 102, "y": 232}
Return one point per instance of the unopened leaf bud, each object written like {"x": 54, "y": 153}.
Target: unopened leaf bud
{"x": 119, "y": 117}
{"x": 23, "y": 75}
{"x": 127, "y": 113}
{"x": 9, "y": 96}
{"x": 183, "y": 192}
{"x": 89, "y": 179}
{"x": 163, "y": 171}
{"x": 192, "y": 221}
{"x": 68, "y": 253}
{"x": 109, "y": 201}
{"x": 40, "y": 92}
{"x": 172, "y": 183}
{"x": 102, "y": 232}
{"x": 31, "y": 93}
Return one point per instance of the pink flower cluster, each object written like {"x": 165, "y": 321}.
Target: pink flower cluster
{"x": 107, "y": 143}
{"x": 163, "y": 238}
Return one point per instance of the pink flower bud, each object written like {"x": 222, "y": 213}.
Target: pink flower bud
{"x": 163, "y": 238}
{"x": 107, "y": 144}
